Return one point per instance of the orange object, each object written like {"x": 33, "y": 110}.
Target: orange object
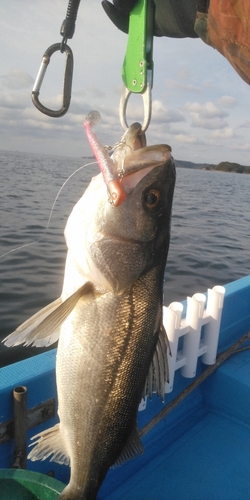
{"x": 117, "y": 195}
{"x": 226, "y": 27}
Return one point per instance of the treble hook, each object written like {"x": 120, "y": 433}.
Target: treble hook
{"x": 67, "y": 82}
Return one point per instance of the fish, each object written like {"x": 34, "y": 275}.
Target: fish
{"x": 112, "y": 348}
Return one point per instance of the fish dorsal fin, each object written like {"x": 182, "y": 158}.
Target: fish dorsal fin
{"x": 158, "y": 370}
{"x": 49, "y": 442}
{"x": 43, "y": 329}
{"x": 132, "y": 449}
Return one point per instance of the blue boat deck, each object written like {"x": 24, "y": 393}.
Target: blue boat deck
{"x": 208, "y": 461}
{"x": 199, "y": 451}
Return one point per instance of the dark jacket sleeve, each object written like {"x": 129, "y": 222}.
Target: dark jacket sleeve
{"x": 173, "y": 18}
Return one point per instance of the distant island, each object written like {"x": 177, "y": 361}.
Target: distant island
{"x": 223, "y": 166}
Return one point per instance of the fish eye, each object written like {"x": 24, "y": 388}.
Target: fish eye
{"x": 152, "y": 198}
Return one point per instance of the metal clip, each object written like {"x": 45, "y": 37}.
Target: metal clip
{"x": 147, "y": 105}
{"x": 67, "y": 82}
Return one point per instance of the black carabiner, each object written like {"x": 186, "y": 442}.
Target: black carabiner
{"x": 67, "y": 82}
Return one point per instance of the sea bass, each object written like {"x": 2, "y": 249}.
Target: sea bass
{"x": 112, "y": 344}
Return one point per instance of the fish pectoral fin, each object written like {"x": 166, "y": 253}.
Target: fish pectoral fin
{"x": 49, "y": 442}
{"x": 158, "y": 371}
{"x": 25, "y": 331}
{"x": 43, "y": 329}
{"x": 132, "y": 449}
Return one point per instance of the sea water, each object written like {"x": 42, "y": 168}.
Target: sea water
{"x": 210, "y": 234}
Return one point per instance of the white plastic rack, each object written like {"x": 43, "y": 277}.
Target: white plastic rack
{"x": 199, "y": 329}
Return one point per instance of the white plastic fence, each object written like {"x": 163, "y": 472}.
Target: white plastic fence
{"x": 197, "y": 341}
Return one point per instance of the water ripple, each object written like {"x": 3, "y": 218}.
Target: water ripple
{"x": 210, "y": 237}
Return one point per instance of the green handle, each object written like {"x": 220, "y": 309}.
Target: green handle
{"x": 138, "y": 59}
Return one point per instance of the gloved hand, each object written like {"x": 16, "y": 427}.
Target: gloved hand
{"x": 173, "y": 18}
{"x": 223, "y": 24}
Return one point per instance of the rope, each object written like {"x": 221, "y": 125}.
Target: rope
{"x": 178, "y": 399}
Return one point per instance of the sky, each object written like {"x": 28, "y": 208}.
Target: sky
{"x": 200, "y": 104}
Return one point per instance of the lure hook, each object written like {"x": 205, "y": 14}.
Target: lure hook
{"x": 67, "y": 82}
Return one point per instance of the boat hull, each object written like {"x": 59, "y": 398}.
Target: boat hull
{"x": 192, "y": 452}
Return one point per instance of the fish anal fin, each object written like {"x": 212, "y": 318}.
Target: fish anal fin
{"x": 132, "y": 449}
{"x": 158, "y": 370}
{"x": 49, "y": 442}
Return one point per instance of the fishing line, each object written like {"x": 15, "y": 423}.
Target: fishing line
{"x": 51, "y": 212}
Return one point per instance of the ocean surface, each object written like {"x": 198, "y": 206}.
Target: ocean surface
{"x": 210, "y": 235}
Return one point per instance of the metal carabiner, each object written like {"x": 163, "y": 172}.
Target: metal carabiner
{"x": 67, "y": 82}
{"x": 147, "y": 105}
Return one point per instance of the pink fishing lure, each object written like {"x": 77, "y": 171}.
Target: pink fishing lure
{"x": 106, "y": 164}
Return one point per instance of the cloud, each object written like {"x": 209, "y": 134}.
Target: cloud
{"x": 16, "y": 79}
{"x": 210, "y": 124}
{"x": 206, "y": 115}
{"x": 226, "y": 101}
{"x": 186, "y": 81}
{"x": 190, "y": 139}
{"x": 183, "y": 86}
{"x": 240, "y": 147}
{"x": 94, "y": 91}
{"x": 224, "y": 134}
{"x": 207, "y": 110}
{"x": 180, "y": 76}
{"x": 245, "y": 124}
{"x": 14, "y": 100}
{"x": 162, "y": 114}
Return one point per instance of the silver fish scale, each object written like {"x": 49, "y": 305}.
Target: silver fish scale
{"x": 104, "y": 368}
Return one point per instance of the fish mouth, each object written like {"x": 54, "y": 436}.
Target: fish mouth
{"x": 132, "y": 156}
{"x": 140, "y": 162}
{"x": 146, "y": 157}
{"x": 134, "y": 137}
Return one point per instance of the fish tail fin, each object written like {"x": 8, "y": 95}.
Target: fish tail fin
{"x": 49, "y": 442}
